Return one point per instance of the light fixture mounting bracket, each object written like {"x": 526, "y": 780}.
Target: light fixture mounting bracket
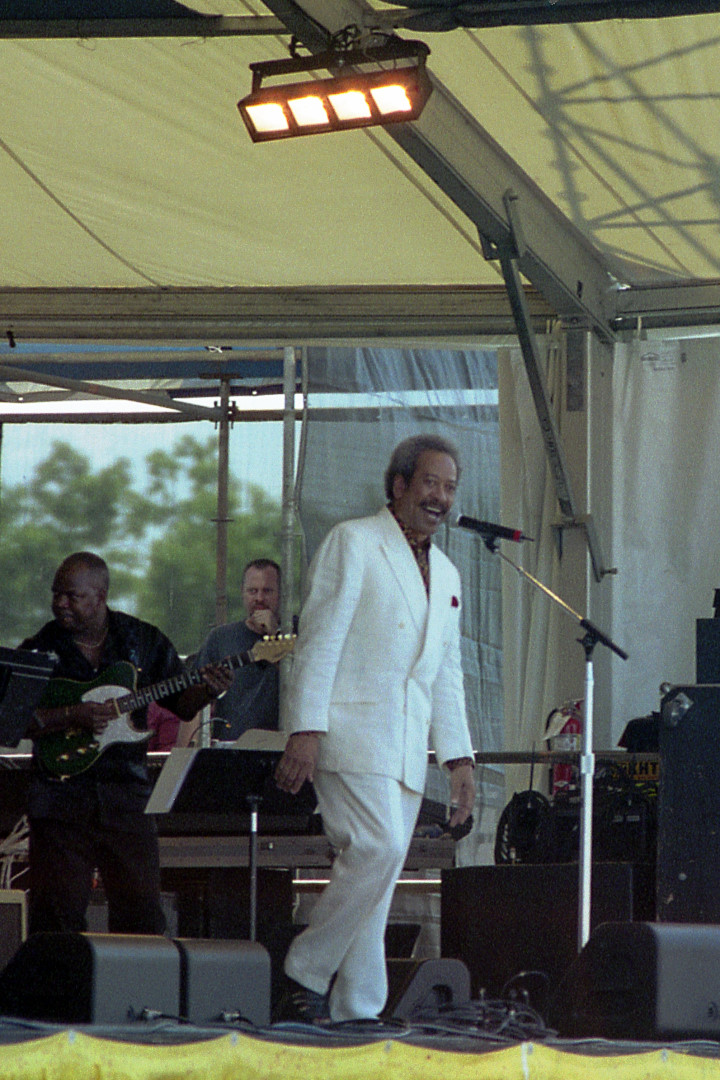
{"x": 337, "y": 59}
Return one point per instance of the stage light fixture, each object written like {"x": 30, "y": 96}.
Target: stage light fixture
{"x": 353, "y": 97}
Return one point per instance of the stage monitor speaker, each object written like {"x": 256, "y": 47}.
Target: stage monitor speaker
{"x": 643, "y": 981}
{"x": 424, "y": 986}
{"x": 91, "y": 978}
{"x": 13, "y": 923}
{"x": 224, "y": 979}
{"x": 506, "y": 920}
{"x": 688, "y": 858}
{"x": 707, "y": 650}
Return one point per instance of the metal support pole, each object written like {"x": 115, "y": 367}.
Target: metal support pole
{"x": 288, "y": 491}
{"x": 508, "y": 257}
{"x": 221, "y": 604}
{"x": 253, "y": 801}
{"x": 587, "y": 774}
{"x": 538, "y": 387}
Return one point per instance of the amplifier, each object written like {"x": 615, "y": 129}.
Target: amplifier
{"x": 13, "y": 923}
{"x": 504, "y": 921}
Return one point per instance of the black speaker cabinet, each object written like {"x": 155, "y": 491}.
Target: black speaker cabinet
{"x": 215, "y": 902}
{"x": 91, "y": 978}
{"x": 222, "y": 979}
{"x": 688, "y": 854}
{"x": 643, "y": 981}
{"x": 502, "y": 921}
{"x": 13, "y": 923}
{"x": 707, "y": 650}
{"x": 423, "y": 986}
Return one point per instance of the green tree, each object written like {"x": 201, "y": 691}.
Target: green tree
{"x": 66, "y": 507}
{"x": 177, "y": 591}
{"x": 159, "y": 543}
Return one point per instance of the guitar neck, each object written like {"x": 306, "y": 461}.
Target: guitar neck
{"x": 173, "y": 685}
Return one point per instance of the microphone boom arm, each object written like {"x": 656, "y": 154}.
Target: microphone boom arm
{"x": 595, "y": 633}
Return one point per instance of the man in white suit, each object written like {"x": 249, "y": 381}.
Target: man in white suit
{"x": 376, "y": 673}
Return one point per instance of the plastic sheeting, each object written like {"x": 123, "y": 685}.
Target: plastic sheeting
{"x": 361, "y": 403}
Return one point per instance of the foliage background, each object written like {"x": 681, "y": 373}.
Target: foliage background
{"x": 158, "y": 536}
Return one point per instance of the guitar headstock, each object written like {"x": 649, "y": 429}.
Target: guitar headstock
{"x": 272, "y": 649}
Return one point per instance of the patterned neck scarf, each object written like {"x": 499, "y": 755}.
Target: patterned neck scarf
{"x": 420, "y": 547}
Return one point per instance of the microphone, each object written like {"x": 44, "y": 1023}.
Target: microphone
{"x": 488, "y": 529}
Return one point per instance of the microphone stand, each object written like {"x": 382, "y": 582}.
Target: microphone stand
{"x": 592, "y": 635}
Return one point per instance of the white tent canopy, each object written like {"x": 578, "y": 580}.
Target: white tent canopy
{"x": 124, "y": 163}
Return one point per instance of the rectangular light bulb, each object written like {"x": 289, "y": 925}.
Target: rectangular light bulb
{"x": 350, "y": 105}
{"x": 391, "y": 99}
{"x": 268, "y": 117}
{"x": 308, "y": 111}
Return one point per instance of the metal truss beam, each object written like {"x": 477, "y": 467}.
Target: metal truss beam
{"x": 79, "y": 386}
{"x": 263, "y": 316}
{"x": 189, "y": 26}
{"x": 681, "y": 303}
{"x": 474, "y": 172}
{"x": 486, "y": 13}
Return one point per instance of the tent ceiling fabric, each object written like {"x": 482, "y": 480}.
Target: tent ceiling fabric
{"x": 124, "y": 163}
{"x": 613, "y": 121}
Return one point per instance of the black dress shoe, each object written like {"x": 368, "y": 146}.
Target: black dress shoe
{"x": 302, "y": 1006}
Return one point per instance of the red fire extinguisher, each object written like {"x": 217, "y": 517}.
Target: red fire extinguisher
{"x": 563, "y": 731}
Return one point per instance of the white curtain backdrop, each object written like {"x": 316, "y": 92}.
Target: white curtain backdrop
{"x": 666, "y": 487}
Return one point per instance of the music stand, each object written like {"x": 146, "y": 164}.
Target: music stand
{"x": 227, "y": 780}
{"x": 23, "y": 676}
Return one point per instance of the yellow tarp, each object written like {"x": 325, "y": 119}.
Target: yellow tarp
{"x": 75, "y": 1056}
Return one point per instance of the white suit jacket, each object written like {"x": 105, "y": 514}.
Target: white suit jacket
{"x": 377, "y": 666}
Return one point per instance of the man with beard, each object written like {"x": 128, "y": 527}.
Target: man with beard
{"x": 252, "y": 700}
{"x": 376, "y": 672}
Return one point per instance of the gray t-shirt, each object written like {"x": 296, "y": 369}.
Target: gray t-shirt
{"x": 253, "y": 698}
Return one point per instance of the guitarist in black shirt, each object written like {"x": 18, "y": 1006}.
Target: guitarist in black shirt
{"x": 84, "y": 819}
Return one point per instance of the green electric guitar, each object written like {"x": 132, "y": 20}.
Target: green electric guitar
{"x": 72, "y": 750}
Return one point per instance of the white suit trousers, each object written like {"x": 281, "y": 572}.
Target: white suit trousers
{"x": 369, "y": 820}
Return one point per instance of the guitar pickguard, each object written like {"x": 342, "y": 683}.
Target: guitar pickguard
{"x": 121, "y": 729}
{"x": 73, "y": 750}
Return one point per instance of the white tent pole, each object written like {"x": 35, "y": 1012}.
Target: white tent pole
{"x": 288, "y": 490}
{"x": 300, "y": 470}
{"x": 587, "y": 776}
